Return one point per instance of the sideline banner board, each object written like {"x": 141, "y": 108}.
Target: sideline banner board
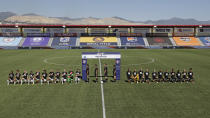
{"x": 10, "y": 41}
{"x": 36, "y": 41}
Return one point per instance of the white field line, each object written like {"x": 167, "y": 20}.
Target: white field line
{"x": 102, "y": 91}
{"x": 46, "y": 60}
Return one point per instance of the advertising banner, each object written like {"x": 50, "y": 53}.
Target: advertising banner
{"x": 10, "y": 41}
{"x": 64, "y": 41}
{"x": 98, "y": 41}
{"x": 132, "y": 41}
{"x": 36, "y": 41}
{"x": 160, "y": 41}
{"x": 187, "y": 41}
{"x": 205, "y": 40}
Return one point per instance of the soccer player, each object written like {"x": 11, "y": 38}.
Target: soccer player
{"x": 135, "y": 76}
{"x": 44, "y": 76}
{"x": 10, "y": 78}
{"x": 146, "y": 76}
{"x": 160, "y": 76}
{"x": 166, "y": 76}
{"x": 178, "y": 76}
{"x": 72, "y": 75}
{"x": 173, "y": 76}
{"x": 64, "y": 76}
{"x": 184, "y": 76}
{"x": 96, "y": 72}
{"x": 17, "y": 77}
{"x": 154, "y": 76}
{"x": 78, "y": 75}
{"x": 37, "y": 76}
{"x": 190, "y": 75}
{"x": 87, "y": 72}
{"x": 51, "y": 77}
{"x": 31, "y": 78}
{"x": 114, "y": 73}
{"x": 129, "y": 75}
{"x": 57, "y": 76}
{"x": 70, "y": 78}
{"x": 105, "y": 72}
{"x": 24, "y": 77}
{"x": 141, "y": 73}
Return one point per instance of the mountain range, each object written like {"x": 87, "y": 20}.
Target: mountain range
{"x": 32, "y": 18}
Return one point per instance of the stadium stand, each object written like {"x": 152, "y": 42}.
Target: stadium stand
{"x": 54, "y": 30}
{"x": 187, "y": 41}
{"x": 115, "y": 36}
{"x": 99, "y": 30}
{"x": 32, "y": 30}
{"x": 9, "y": 30}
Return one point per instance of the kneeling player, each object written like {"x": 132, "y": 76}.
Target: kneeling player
{"x": 178, "y": 76}
{"x": 70, "y": 78}
{"x": 184, "y": 76}
{"x": 37, "y": 76}
{"x": 141, "y": 73}
{"x": 173, "y": 76}
{"x": 57, "y": 77}
{"x": 166, "y": 76}
{"x": 190, "y": 76}
{"x": 135, "y": 76}
{"x": 146, "y": 76}
{"x": 24, "y": 77}
{"x": 44, "y": 77}
{"x": 64, "y": 76}
{"x": 31, "y": 78}
{"x": 10, "y": 78}
{"x": 17, "y": 77}
{"x": 154, "y": 76}
{"x": 51, "y": 77}
{"x": 160, "y": 76}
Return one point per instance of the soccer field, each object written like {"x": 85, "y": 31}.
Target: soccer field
{"x": 122, "y": 100}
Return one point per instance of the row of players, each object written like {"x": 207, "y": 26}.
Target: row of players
{"x": 134, "y": 76}
{"x": 160, "y": 76}
{"x": 55, "y": 76}
{"x": 44, "y": 77}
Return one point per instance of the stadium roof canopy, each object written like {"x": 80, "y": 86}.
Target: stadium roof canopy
{"x": 97, "y": 26}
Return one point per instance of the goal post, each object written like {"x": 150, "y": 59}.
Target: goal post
{"x": 101, "y": 55}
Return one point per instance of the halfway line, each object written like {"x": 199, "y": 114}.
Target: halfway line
{"x": 102, "y": 90}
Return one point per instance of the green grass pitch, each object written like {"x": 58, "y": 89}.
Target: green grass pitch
{"x": 122, "y": 100}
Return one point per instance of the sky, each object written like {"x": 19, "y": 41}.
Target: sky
{"x": 136, "y": 10}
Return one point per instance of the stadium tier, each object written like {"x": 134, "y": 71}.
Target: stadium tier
{"x": 85, "y": 36}
{"x": 187, "y": 41}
